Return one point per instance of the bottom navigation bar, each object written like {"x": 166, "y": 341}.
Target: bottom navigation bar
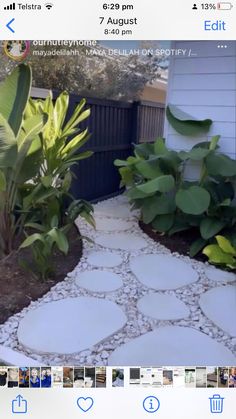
{"x": 177, "y": 403}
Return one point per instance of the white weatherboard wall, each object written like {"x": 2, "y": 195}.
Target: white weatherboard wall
{"x": 204, "y": 86}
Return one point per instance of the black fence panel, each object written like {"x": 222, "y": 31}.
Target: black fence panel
{"x": 114, "y": 126}
{"x": 110, "y": 125}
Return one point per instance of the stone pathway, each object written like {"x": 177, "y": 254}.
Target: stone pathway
{"x": 129, "y": 302}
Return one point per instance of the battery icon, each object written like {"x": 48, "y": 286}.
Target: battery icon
{"x": 223, "y": 5}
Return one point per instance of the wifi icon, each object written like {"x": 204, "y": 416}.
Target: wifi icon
{"x": 48, "y": 5}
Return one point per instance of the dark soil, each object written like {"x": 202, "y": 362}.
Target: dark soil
{"x": 179, "y": 242}
{"x": 19, "y": 287}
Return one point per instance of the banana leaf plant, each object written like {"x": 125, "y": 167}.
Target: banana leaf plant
{"x": 38, "y": 148}
{"x": 19, "y": 151}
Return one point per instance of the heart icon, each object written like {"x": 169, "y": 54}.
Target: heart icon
{"x": 85, "y": 403}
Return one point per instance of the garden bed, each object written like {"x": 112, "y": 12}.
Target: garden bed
{"x": 179, "y": 242}
{"x": 150, "y": 297}
{"x": 19, "y": 287}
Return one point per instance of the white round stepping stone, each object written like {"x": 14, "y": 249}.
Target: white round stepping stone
{"x": 162, "y": 307}
{"x": 219, "y": 275}
{"x": 219, "y": 305}
{"x": 162, "y": 272}
{"x": 110, "y": 224}
{"x": 113, "y": 210}
{"x": 104, "y": 259}
{"x": 123, "y": 241}
{"x": 172, "y": 345}
{"x": 99, "y": 281}
{"x": 70, "y": 325}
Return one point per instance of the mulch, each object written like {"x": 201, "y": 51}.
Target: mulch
{"x": 179, "y": 242}
{"x": 18, "y": 287}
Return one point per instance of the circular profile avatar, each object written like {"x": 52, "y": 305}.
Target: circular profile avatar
{"x": 16, "y": 50}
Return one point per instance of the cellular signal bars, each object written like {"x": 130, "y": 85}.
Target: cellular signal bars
{"x": 10, "y": 7}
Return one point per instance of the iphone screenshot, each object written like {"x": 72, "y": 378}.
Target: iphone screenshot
{"x": 117, "y": 209}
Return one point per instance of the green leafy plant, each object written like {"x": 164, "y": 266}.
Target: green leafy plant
{"x": 53, "y": 236}
{"x": 156, "y": 183}
{"x": 39, "y": 145}
{"x": 49, "y": 198}
{"x": 18, "y": 151}
{"x": 61, "y": 142}
{"x": 222, "y": 253}
{"x": 42, "y": 245}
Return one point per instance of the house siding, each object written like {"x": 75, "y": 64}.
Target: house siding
{"x": 204, "y": 86}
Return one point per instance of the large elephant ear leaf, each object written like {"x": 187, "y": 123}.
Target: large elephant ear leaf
{"x": 220, "y": 164}
{"x": 185, "y": 124}
{"x": 194, "y": 200}
{"x": 14, "y": 95}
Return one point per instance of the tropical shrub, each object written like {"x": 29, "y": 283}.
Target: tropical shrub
{"x": 221, "y": 253}
{"x": 51, "y": 209}
{"x": 156, "y": 183}
{"x": 18, "y": 151}
{"x": 42, "y": 245}
{"x": 52, "y": 236}
{"x": 49, "y": 194}
{"x": 38, "y": 147}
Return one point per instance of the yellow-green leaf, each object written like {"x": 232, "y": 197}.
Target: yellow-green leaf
{"x": 225, "y": 245}
{"x": 3, "y": 183}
